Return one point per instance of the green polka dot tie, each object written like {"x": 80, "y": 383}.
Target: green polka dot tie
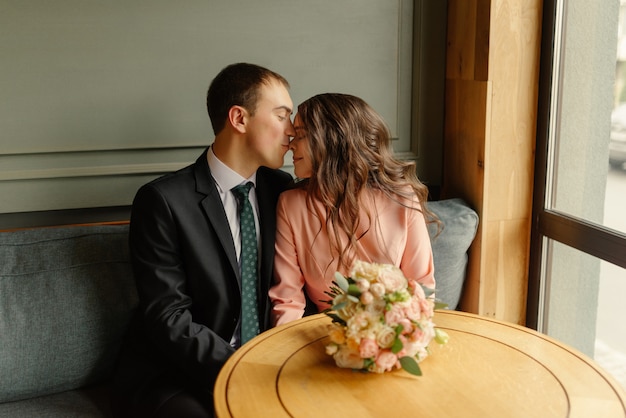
{"x": 249, "y": 312}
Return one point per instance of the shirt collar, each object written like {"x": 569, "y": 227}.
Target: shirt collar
{"x": 225, "y": 177}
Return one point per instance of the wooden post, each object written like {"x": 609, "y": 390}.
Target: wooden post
{"x": 492, "y": 72}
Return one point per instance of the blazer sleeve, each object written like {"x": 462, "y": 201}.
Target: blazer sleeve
{"x": 163, "y": 288}
{"x": 417, "y": 259}
{"x": 287, "y": 294}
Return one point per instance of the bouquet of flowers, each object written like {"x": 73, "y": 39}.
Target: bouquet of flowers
{"x": 381, "y": 320}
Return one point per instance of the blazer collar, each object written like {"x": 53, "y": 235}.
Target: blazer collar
{"x": 211, "y": 204}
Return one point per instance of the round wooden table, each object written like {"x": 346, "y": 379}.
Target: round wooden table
{"x": 489, "y": 368}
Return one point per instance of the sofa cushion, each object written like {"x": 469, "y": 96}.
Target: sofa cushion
{"x": 459, "y": 226}
{"x": 92, "y": 403}
{"x": 66, "y": 297}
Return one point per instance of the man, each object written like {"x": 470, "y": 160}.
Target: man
{"x": 185, "y": 247}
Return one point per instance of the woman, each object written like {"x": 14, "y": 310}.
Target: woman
{"x": 356, "y": 202}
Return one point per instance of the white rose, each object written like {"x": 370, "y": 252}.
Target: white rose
{"x": 392, "y": 278}
{"x": 361, "y": 269}
{"x": 331, "y": 349}
{"x": 348, "y": 359}
{"x": 377, "y": 289}
{"x": 363, "y": 285}
{"x": 385, "y": 337}
{"x": 366, "y": 298}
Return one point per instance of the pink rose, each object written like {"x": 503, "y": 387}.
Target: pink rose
{"x": 407, "y": 346}
{"x": 413, "y": 310}
{"x": 423, "y": 335}
{"x": 412, "y": 349}
{"x": 427, "y": 307}
{"x": 368, "y": 348}
{"x": 385, "y": 361}
{"x": 394, "y": 315}
{"x": 407, "y": 326}
{"x": 418, "y": 290}
{"x": 417, "y": 334}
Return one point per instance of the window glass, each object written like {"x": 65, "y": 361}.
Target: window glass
{"x": 586, "y": 308}
{"x": 582, "y": 296}
{"x": 610, "y": 341}
{"x": 590, "y": 149}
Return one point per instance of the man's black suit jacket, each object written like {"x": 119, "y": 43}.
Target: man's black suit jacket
{"x": 188, "y": 279}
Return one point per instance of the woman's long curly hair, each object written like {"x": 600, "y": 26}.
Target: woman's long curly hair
{"x": 351, "y": 151}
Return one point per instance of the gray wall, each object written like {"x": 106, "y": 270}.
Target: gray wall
{"x": 100, "y": 97}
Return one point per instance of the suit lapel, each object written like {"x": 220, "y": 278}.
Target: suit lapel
{"x": 214, "y": 210}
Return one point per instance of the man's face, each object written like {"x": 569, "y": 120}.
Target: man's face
{"x": 270, "y": 128}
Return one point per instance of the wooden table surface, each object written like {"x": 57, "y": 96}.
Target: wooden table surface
{"x": 489, "y": 368}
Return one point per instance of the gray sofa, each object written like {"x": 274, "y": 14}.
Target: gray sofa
{"x": 67, "y": 296}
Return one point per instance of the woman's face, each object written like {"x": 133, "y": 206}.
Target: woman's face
{"x": 299, "y": 145}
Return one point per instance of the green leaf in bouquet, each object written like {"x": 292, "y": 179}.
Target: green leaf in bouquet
{"x": 342, "y": 282}
{"x": 354, "y": 290}
{"x": 340, "y": 306}
{"x": 353, "y": 299}
{"x": 336, "y": 318}
{"x": 398, "y": 296}
{"x": 367, "y": 363}
{"x": 428, "y": 291}
{"x": 440, "y": 305}
{"x": 397, "y": 346}
{"x": 410, "y": 365}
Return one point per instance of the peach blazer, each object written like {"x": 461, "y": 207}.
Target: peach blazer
{"x": 395, "y": 235}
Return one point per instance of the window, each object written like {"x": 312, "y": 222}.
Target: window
{"x": 578, "y": 250}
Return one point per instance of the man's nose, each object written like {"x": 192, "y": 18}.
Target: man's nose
{"x": 291, "y": 131}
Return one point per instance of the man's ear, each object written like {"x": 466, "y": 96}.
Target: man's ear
{"x": 238, "y": 118}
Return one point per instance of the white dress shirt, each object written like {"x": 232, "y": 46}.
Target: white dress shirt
{"x": 225, "y": 179}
